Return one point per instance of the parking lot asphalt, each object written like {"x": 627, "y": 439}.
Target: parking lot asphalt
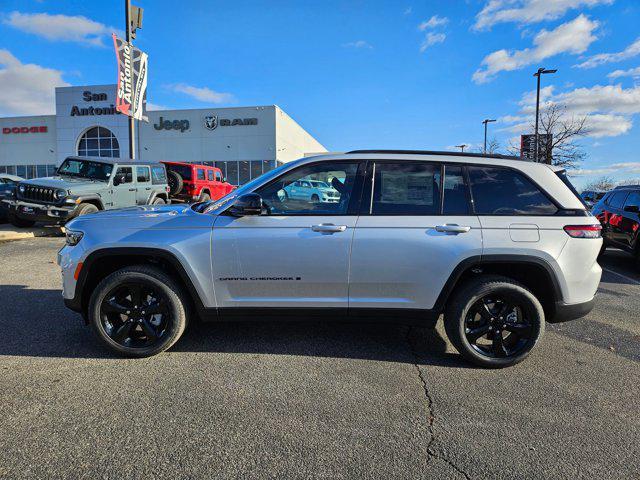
{"x": 311, "y": 400}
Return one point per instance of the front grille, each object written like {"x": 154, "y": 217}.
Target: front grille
{"x": 38, "y": 194}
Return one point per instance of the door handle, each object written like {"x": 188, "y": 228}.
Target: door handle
{"x": 148, "y": 188}
{"x": 132, "y": 189}
{"x": 452, "y": 228}
{"x": 328, "y": 228}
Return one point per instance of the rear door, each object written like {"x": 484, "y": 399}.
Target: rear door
{"x": 630, "y": 224}
{"x": 614, "y": 214}
{"x": 124, "y": 194}
{"x": 143, "y": 184}
{"x": 416, "y": 225}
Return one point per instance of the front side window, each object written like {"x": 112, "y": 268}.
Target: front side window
{"x": 218, "y": 176}
{"x": 502, "y": 191}
{"x": 142, "y": 174}
{"x": 409, "y": 188}
{"x": 85, "y": 169}
{"x": 127, "y": 172}
{"x": 293, "y": 193}
{"x": 633, "y": 200}
{"x": 617, "y": 199}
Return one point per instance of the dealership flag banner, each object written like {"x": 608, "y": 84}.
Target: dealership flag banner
{"x": 131, "y": 93}
{"x": 528, "y": 145}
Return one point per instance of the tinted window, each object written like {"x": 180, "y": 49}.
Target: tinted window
{"x": 406, "y": 188}
{"x": 142, "y": 174}
{"x": 218, "y": 176}
{"x": 200, "y": 174}
{"x": 245, "y": 172}
{"x": 210, "y": 175}
{"x": 285, "y": 197}
{"x": 617, "y": 199}
{"x": 501, "y": 191}
{"x": 158, "y": 175}
{"x": 456, "y": 192}
{"x": 633, "y": 199}
{"x": 128, "y": 172}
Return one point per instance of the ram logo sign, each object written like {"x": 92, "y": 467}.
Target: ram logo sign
{"x": 211, "y": 122}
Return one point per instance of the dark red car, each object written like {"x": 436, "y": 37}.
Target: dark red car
{"x": 191, "y": 182}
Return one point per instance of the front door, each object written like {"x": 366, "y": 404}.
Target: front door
{"x": 411, "y": 235}
{"x": 296, "y": 254}
{"x": 124, "y": 194}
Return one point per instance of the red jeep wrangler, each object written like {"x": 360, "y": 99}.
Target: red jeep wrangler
{"x": 191, "y": 182}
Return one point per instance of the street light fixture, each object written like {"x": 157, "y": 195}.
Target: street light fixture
{"x": 461, "y": 147}
{"x": 539, "y": 73}
{"x": 485, "y": 121}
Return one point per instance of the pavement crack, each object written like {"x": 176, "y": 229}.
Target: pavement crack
{"x": 434, "y": 454}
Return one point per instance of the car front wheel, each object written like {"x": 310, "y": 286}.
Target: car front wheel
{"x": 494, "y": 321}
{"x": 138, "y": 311}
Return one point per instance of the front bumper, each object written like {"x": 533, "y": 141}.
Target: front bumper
{"x": 39, "y": 212}
{"x": 564, "y": 312}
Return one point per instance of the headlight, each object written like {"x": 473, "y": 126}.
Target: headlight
{"x": 22, "y": 188}
{"x": 73, "y": 238}
{"x": 58, "y": 194}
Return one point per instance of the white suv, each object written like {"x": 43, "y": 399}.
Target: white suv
{"x": 497, "y": 244}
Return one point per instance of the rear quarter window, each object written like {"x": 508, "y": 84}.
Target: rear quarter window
{"x": 158, "y": 175}
{"x": 616, "y": 200}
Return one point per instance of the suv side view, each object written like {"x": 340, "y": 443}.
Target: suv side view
{"x": 190, "y": 182}
{"x": 497, "y": 245}
{"x": 311, "y": 190}
{"x": 619, "y": 214}
{"x": 87, "y": 185}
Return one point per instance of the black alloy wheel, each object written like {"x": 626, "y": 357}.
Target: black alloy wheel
{"x": 135, "y": 315}
{"x": 496, "y": 326}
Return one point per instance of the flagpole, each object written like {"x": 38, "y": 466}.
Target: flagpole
{"x": 132, "y": 151}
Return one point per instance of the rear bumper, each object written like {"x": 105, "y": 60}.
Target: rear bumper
{"x": 564, "y": 312}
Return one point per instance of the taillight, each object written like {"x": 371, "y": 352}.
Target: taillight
{"x": 584, "y": 231}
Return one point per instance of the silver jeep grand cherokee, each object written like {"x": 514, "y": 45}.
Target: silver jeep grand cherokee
{"x": 496, "y": 244}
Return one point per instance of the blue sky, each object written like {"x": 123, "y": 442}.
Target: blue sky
{"x": 356, "y": 74}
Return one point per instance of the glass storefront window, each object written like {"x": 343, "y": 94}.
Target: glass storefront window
{"x": 256, "y": 169}
{"x": 223, "y": 167}
{"x": 232, "y": 173}
{"x": 267, "y": 166}
{"x": 21, "y": 171}
{"x": 245, "y": 173}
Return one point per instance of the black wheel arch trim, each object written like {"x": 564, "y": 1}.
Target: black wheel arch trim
{"x": 480, "y": 260}
{"x": 77, "y": 303}
{"x": 91, "y": 199}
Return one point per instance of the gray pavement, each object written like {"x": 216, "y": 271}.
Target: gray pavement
{"x": 318, "y": 400}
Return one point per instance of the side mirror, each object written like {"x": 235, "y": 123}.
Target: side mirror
{"x": 632, "y": 209}
{"x": 247, "y": 204}
{"x": 118, "y": 179}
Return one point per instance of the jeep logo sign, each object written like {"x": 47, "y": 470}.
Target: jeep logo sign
{"x": 181, "y": 125}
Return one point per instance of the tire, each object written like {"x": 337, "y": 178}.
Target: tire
{"x": 204, "y": 197}
{"x": 525, "y": 327}
{"x": 175, "y": 182}
{"x": 107, "y": 324}
{"x": 20, "y": 222}
{"x": 158, "y": 201}
{"x": 315, "y": 198}
{"x": 603, "y": 249}
{"x": 85, "y": 209}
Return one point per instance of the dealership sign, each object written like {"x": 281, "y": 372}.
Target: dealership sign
{"x": 528, "y": 145}
{"x": 131, "y": 90}
{"x": 18, "y": 130}
{"x": 89, "y": 96}
{"x": 212, "y": 121}
{"x": 181, "y": 125}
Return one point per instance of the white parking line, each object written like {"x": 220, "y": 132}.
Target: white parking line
{"x": 628, "y": 279}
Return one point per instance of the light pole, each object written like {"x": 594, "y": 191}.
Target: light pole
{"x": 485, "y": 121}
{"x": 461, "y": 147}
{"x": 539, "y": 73}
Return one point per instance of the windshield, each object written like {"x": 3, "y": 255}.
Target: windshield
{"x": 85, "y": 169}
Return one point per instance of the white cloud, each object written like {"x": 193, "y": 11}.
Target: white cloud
{"x": 572, "y": 37}
{"x": 632, "y": 72}
{"x": 433, "y": 22}
{"x": 61, "y": 27}
{"x": 618, "y": 168}
{"x": 431, "y": 39}
{"x": 408, "y": 11}
{"x": 528, "y": 11}
{"x": 608, "y": 98}
{"x": 203, "y": 94}
{"x": 27, "y": 89}
{"x": 631, "y": 51}
{"x": 154, "y": 106}
{"x": 358, "y": 44}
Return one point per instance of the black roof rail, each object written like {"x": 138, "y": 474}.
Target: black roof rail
{"x": 622, "y": 187}
{"x": 440, "y": 152}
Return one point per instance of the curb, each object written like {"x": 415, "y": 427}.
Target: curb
{"x": 8, "y": 233}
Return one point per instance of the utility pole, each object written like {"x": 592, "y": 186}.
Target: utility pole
{"x": 486, "y": 121}
{"x": 461, "y": 147}
{"x": 132, "y": 125}
{"x": 539, "y": 73}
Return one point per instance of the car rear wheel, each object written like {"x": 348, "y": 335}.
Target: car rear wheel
{"x": 175, "y": 182}
{"x": 138, "y": 311}
{"x": 494, "y": 321}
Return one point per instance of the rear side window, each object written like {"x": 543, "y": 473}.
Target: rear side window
{"x": 142, "y": 174}
{"x": 210, "y": 175}
{"x": 617, "y": 199}
{"x": 502, "y": 191}
{"x": 562, "y": 175}
{"x": 158, "y": 175}
{"x": 456, "y": 192}
{"x": 406, "y": 189}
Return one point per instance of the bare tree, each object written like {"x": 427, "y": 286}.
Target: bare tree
{"x": 601, "y": 184}
{"x": 559, "y": 137}
{"x": 493, "y": 146}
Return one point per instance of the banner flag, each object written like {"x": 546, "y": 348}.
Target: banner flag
{"x": 131, "y": 92}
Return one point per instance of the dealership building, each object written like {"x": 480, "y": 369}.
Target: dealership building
{"x": 244, "y": 142}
